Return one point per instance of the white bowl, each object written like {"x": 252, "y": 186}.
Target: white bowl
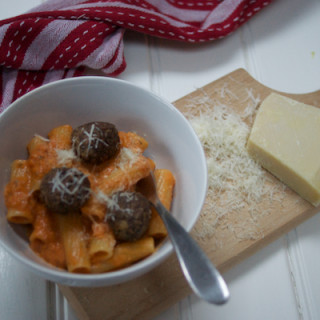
{"x": 172, "y": 143}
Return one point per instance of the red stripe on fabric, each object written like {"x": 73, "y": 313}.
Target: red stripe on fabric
{"x": 17, "y": 39}
{"x": 1, "y": 89}
{"x": 146, "y": 22}
{"x": 243, "y": 13}
{"x": 26, "y": 82}
{"x": 194, "y": 4}
{"x": 121, "y": 67}
{"x": 73, "y": 73}
{"x": 78, "y": 45}
{"x": 141, "y": 4}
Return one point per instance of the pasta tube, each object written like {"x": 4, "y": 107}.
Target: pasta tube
{"x": 165, "y": 183}
{"x": 44, "y": 239}
{"x": 60, "y": 137}
{"x": 125, "y": 254}
{"x": 124, "y": 177}
{"x": 133, "y": 141}
{"x": 42, "y": 158}
{"x": 74, "y": 239}
{"x": 19, "y": 216}
{"x": 36, "y": 143}
{"x": 102, "y": 242}
{"x": 94, "y": 208}
{"x": 18, "y": 193}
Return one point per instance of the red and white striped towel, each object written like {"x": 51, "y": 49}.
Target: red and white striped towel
{"x": 60, "y": 38}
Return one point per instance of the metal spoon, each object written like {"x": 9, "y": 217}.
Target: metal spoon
{"x": 204, "y": 279}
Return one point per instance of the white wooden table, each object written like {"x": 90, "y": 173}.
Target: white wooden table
{"x": 280, "y": 47}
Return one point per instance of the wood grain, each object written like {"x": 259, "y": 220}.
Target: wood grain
{"x": 150, "y": 294}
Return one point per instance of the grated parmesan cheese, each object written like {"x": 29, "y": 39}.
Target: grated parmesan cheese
{"x": 107, "y": 199}
{"x": 42, "y": 138}
{"x": 112, "y": 203}
{"x": 65, "y": 156}
{"x": 235, "y": 180}
{"x": 127, "y": 157}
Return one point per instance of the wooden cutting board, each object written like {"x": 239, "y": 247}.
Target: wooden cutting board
{"x": 150, "y": 294}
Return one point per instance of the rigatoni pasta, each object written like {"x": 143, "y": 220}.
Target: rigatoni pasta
{"x": 79, "y": 190}
{"x": 74, "y": 240}
{"x": 101, "y": 243}
{"x": 165, "y": 183}
{"x": 17, "y": 193}
{"x": 44, "y": 239}
{"x": 125, "y": 254}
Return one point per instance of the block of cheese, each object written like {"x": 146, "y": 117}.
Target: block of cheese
{"x": 285, "y": 140}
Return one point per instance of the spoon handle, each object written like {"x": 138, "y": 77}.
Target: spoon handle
{"x": 202, "y": 276}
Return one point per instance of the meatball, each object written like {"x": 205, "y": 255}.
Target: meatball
{"x": 64, "y": 189}
{"x": 128, "y": 215}
{"x": 95, "y": 142}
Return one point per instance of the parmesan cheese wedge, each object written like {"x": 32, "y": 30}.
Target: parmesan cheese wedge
{"x": 285, "y": 140}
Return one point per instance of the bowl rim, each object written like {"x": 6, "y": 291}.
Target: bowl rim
{"x": 134, "y": 270}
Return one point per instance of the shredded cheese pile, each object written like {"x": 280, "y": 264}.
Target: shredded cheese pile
{"x": 127, "y": 157}
{"x": 235, "y": 181}
{"x": 65, "y": 157}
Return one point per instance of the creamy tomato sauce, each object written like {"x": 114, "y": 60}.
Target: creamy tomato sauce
{"x": 22, "y": 192}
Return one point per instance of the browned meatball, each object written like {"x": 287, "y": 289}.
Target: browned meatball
{"x": 95, "y": 142}
{"x": 128, "y": 215}
{"x": 64, "y": 189}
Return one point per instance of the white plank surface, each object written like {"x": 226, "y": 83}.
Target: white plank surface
{"x": 280, "y": 47}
